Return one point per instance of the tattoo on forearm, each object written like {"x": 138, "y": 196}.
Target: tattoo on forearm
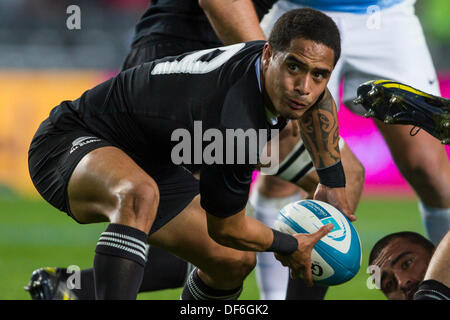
{"x": 319, "y": 129}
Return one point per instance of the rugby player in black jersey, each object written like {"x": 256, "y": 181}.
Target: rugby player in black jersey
{"x": 167, "y": 28}
{"x": 106, "y": 157}
{"x": 172, "y": 27}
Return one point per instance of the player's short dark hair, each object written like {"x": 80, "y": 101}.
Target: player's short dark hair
{"x": 308, "y": 24}
{"x": 413, "y": 237}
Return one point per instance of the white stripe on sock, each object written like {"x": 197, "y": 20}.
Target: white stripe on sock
{"x": 119, "y": 235}
{"x": 124, "y": 242}
{"x": 112, "y": 244}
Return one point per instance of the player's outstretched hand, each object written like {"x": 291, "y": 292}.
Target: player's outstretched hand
{"x": 299, "y": 261}
{"x": 336, "y": 197}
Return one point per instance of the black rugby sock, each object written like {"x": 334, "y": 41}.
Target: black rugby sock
{"x": 162, "y": 271}
{"x": 196, "y": 289}
{"x": 119, "y": 262}
{"x": 86, "y": 290}
{"x": 298, "y": 290}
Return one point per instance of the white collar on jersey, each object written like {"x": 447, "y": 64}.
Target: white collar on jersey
{"x": 271, "y": 118}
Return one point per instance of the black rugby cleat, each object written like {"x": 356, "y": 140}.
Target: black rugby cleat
{"x": 49, "y": 284}
{"x": 396, "y": 103}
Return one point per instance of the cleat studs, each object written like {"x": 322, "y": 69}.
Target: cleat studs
{"x": 388, "y": 120}
{"x": 394, "y": 99}
{"x": 369, "y": 113}
{"x": 358, "y": 100}
{"x": 372, "y": 92}
{"x": 446, "y": 124}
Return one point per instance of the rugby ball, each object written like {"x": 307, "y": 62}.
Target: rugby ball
{"x": 336, "y": 258}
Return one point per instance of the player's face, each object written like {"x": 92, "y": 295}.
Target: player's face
{"x": 402, "y": 266}
{"x": 295, "y": 78}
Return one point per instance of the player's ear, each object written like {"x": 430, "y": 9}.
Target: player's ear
{"x": 267, "y": 54}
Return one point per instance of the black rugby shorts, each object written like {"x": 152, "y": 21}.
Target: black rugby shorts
{"x": 55, "y": 152}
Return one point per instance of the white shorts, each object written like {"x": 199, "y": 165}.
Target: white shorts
{"x": 388, "y": 44}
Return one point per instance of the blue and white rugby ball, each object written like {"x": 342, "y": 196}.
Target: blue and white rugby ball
{"x": 336, "y": 258}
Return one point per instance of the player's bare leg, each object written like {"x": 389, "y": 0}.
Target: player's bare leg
{"x": 107, "y": 185}
{"x": 424, "y": 163}
{"x": 221, "y": 269}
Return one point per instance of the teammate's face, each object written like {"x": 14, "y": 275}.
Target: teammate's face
{"x": 402, "y": 266}
{"x": 296, "y": 77}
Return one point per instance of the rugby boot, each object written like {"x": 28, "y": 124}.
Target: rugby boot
{"x": 396, "y": 103}
{"x": 49, "y": 284}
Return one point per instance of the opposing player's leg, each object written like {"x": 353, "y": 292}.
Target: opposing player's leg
{"x": 424, "y": 163}
{"x": 221, "y": 270}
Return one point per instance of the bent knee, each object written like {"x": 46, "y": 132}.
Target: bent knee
{"x": 234, "y": 269}
{"x": 247, "y": 264}
{"x": 241, "y": 268}
{"x": 137, "y": 203}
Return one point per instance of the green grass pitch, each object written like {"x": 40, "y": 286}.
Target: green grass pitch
{"x": 33, "y": 234}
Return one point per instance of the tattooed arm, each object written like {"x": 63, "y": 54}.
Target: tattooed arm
{"x": 319, "y": 130}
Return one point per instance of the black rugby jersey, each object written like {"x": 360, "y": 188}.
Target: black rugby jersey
{"x": 140, "y": 108}
{"x": 184, "y": 19}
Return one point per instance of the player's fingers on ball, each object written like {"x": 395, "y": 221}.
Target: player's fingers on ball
{"x": 348, "y": 213}
{"x": 322, "y": 232}
{"x": 352, "y": 217}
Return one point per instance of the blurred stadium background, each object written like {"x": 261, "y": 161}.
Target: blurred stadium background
{"x": 42, "y": 62}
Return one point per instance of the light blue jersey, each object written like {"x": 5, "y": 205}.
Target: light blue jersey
{"x": 352, "y": 6}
